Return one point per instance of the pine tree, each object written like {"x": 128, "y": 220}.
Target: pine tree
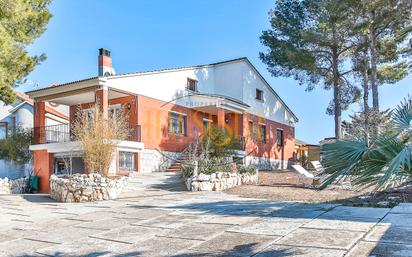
{"x": 21, "y": 22}
{"x": 310, "y": 41}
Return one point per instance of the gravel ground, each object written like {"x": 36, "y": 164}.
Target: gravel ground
{"x": 286, "y": 186}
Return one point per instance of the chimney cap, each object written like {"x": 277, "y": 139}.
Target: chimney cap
{"x": 105, "y": 52}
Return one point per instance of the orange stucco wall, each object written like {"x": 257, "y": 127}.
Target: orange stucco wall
{"x": 152, "y": 115}
{"x": 43, "y": 167}
{"x": 153, "y": 118}
{"x": 270, "y": 149}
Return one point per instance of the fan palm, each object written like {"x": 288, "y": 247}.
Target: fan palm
{"x": 386, "y": 161}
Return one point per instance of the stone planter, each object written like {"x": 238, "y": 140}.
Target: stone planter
{"x": 85, "y": 187}
{"x": 220, "y": 181}
{"x": 16, "y": 186}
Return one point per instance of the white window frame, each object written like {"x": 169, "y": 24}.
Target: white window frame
{"x": 123, "y": 160}
{"x": 170, "y": 122}
{"x": 260, "y": 133}
{"x": 277, "y": 138}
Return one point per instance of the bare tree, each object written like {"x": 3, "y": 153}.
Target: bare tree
{"x": 99, "y": 136}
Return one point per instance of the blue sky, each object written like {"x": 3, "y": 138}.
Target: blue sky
{"x": 152, "y": 34}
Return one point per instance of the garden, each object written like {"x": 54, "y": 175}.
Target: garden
{"x": 213, "y": 165}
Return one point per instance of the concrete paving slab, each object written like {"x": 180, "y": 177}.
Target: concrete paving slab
{"x": 270, "y": 226}
{"x": 355, "y": 224}
{"x": 226, "y": 219}
{"x": 297, "y": 213}
{"x": 402, "y": 208}
{"x": 335, "y": 239}
{"x": 395, "y": 219}
{"x": 380, "y": 250}
{"x": 167, "y": 221}
{"x": 105, "y": 224}
{"x": 283, "y": 250}
{"x": 236, "y": 243}
{"x": 22, "y": 247}
{"x": 390, "y": 234}
{"x": 13, "y": 234}
{"x": 356, "y": 212}
{"x": 162, "y": 246}
{"x": 311, "y": 206}
{"x": 64, "y": 234}
{"x": 85, "y": 247}
{"x": 140, "y": 213}
{"x": 131, "y": 234}
{"x": 199, "y": 231}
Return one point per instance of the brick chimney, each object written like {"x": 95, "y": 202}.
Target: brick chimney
{"x": 105, "y": 63}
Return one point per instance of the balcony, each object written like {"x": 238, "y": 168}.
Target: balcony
{"x": 61, "y": 133}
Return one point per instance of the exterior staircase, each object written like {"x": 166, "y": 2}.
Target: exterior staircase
{"x": 184, "y": 157}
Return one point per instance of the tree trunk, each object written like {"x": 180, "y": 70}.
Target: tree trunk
{"x": 365, "y": 77}
{"x": 373, "y": 79}
{"x": 337, "y": 109}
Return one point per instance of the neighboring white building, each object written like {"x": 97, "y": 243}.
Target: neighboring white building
{"x": 20, "y": 114}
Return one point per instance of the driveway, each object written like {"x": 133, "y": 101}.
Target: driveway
{"x": 156, "y": 217}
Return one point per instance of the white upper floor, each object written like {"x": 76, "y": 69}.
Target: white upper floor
{"x": 237, "y": 79}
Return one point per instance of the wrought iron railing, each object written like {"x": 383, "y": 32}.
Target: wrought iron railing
{"x": 61, "y": 133}
{"x": 52, "y": 134}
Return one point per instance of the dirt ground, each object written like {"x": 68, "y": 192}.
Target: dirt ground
{"x": 287, "y": 186}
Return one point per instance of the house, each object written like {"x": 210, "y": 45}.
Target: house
{"x": 311, "y": 151}
{"x": 169, "y": 108}
{"x": 20, "y": 114}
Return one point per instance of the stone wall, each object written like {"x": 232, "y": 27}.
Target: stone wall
{"x": 220, "y": 181}
{"x": 153, "y": 160}
{"x": 85, "y": 187}
{"x": 16, "y": 186}
{"x": 267, "y": 164}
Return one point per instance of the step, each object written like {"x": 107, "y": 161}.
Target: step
{"x": 173, "y": 170}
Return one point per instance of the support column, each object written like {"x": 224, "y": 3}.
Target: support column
{"x": 39, "y": 122}
{"x": 137, "y": 162}
{"x": 245, "y": 130}
{"x": 245, "y": 125}
{"x": 102, "y": 98}
{"x": 43, "y": 167}
{"x": 221, "y": 117}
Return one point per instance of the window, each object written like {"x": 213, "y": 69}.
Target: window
{"x": 177, "y": 124}
{"x": 191, "y": 84}
{"x": 89, "y": 113}
{"x": 250, "y": 128}
{"x": 206, "y": 124}
{"x": 259, "y": 94}
{"x": 262, "y": 133}
{"x": 279, "y": 137}
{"x": 3, "y": 130}
{"x": 115, "y": 110}
{"x": 126, "y": 161}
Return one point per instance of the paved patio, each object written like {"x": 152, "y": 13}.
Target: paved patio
{"x": 156, "y": 217}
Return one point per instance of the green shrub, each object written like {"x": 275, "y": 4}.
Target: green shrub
{"x": 219, "y": 142}
{"x": 16, "y": 146}
{"x": 213, "y": 165}
{"x": 246, "y": 169}
{"x": 187, "y": 170}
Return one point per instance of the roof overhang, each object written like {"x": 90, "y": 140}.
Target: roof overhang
{"x": 75, "y": 147}
{"x": 73, "y": 93}
{"x": 210, "y": 103}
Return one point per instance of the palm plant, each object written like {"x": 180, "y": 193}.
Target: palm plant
{"x": 385, "y": 162}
